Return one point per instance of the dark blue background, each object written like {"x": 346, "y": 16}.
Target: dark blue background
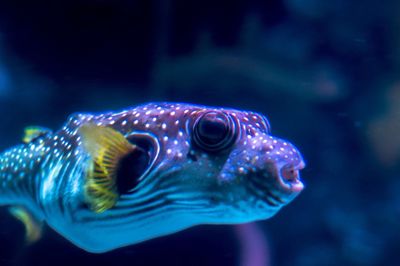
{"x": 326, "y": 73}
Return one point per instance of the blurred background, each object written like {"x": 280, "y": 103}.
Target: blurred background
{"x": 326, "y": 74}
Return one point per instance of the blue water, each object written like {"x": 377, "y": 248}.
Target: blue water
{"x": 326, "y": 73}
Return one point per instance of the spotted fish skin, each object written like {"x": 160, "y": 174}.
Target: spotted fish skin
{"x": 185, "y": 184}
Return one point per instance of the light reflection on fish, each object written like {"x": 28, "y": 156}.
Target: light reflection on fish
{"x": 109, "y": 180}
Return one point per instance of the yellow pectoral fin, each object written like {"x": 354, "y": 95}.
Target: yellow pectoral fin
{"x": 34, "y": 132}
{"x": 106, "y": 146}
{"x": 33, "y": 227}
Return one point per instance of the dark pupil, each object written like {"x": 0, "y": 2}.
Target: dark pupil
{"x": 212, "y": 129}
{"x": 130, "y": 168}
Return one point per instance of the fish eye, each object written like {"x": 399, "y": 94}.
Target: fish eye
{"x": 214, "y": 131}
{"x": 266, "y": 124}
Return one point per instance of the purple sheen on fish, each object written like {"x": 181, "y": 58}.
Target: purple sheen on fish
{"x": 113, "y": 179}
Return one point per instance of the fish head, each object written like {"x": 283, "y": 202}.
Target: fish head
{"x": 261, "y": 172}
{"x": 221, "y": 165}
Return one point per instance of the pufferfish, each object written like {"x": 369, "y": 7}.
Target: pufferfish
{"x": 113, "y": 179}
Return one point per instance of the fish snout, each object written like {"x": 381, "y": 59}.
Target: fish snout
{"x": 285, "y": 163}
{"x": 289, "y": 175}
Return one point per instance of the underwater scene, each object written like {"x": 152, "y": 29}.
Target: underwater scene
{"x": 200, "y": 133}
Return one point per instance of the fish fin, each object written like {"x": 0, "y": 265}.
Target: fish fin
{"x": 106, "y": 146}
{"x": 33, "y": 132}
{"x": 33, "y": 227}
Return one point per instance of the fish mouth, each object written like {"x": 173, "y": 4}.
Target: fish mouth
{"x": 277, "y": 185}
{"x": 289, "y": 177}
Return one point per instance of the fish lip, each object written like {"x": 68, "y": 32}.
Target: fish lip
{"x": 275, "y": 189}
{"x": 289, "y": 177}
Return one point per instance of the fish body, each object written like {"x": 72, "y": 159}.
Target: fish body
{"x": 182, "y": 165}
